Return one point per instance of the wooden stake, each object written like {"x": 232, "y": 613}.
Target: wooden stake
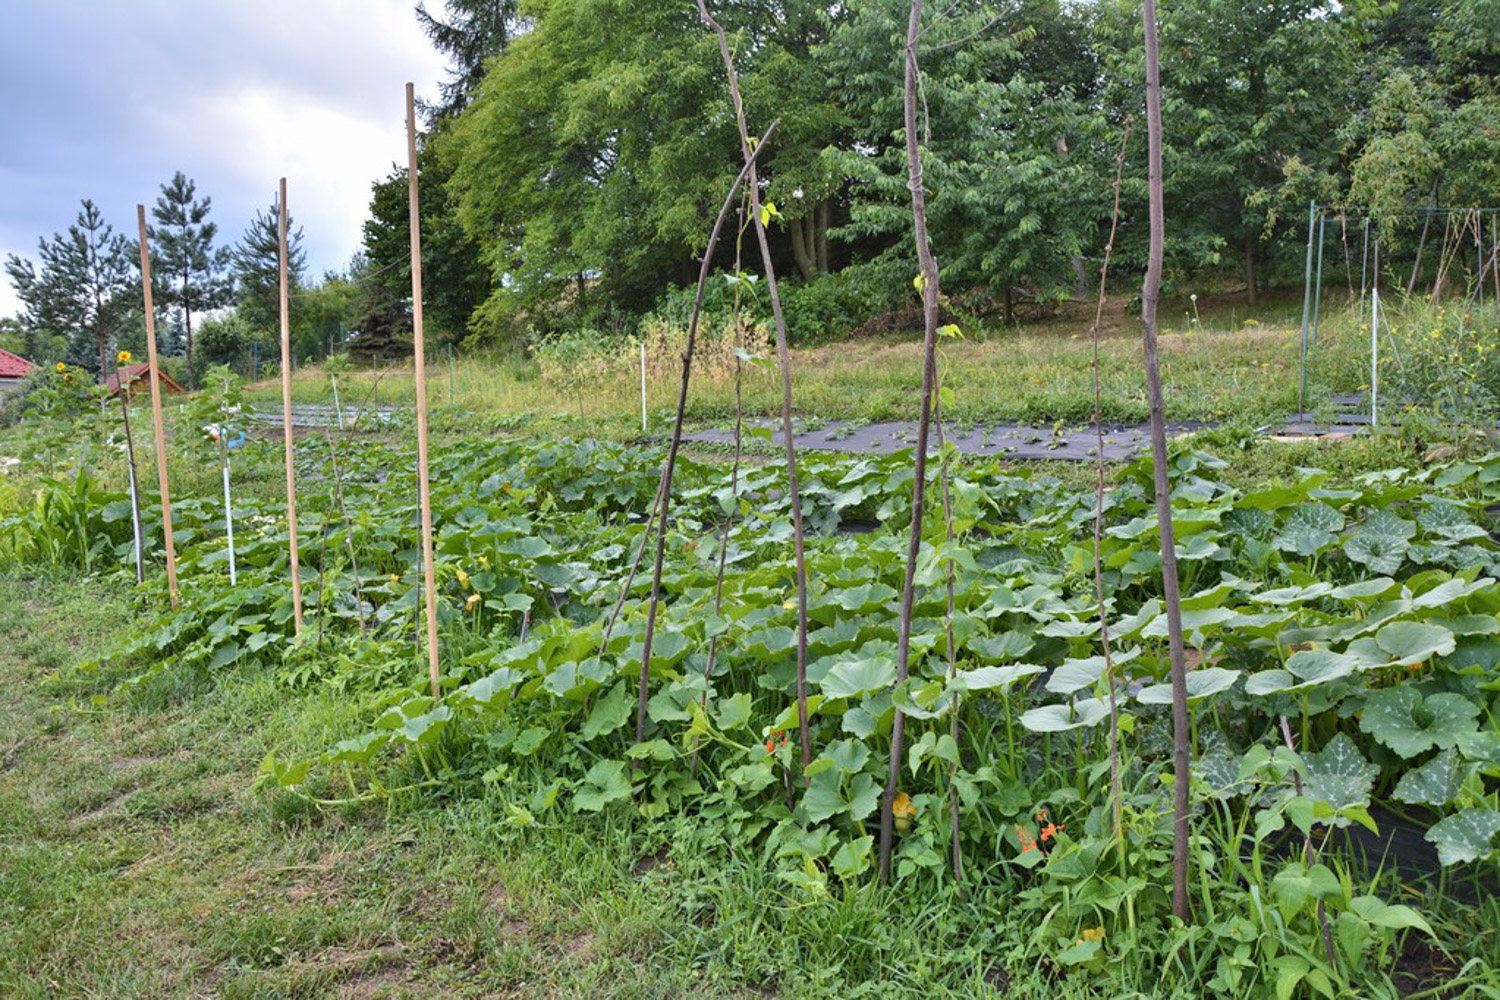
{"x": 1171, "y": 597}
{"x": 428, "y": 579}
{"x": 161, "y": 438}
{"x": 286, "y": 410}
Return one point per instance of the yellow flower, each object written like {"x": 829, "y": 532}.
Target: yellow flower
{"x": 395, "y": 578}
{"x": 1092, "y": 934}
{"x": 61, "y": 367}
{"x": 123, "y": 358}
{"x": 903, "y": 810}
{"x": 789, "y": 605}
{"x": 463, "y": 578}
{"x": 484, "y": 561}
{"x": 473, "y": 600}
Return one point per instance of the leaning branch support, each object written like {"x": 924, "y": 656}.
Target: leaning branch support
{"x": 665, "y": 495}
{"x": 1150, "y": 293}
{"x": 784, "y": 359}
{"x": 929, "y": 282}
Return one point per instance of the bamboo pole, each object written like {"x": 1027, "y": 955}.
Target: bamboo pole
{"x": 1318, "y": 281}
{"x": 286, "y": 409}
{"x": 428, "y": 579}
{"x": 154, "y": 375}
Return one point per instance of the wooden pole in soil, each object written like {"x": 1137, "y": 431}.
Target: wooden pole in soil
{"x": 154, "y": 376}
{"x": 1171, "y": 597}
{"x": 286, "y": 408}
{"x": 928, "y": 266}
{"x": 428, "y": 580}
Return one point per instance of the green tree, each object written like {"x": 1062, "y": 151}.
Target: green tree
{"x": 83, "y": 289}
{"x": 600, "y": 140}
{"x": 1008, "y": 205}
{"x": 1253, "y": 95}
{"x": 190, "y": 271}
{"x": 469, "y": 33}
{"x": 256, "y": 261}
{"x": 454, "y": 278}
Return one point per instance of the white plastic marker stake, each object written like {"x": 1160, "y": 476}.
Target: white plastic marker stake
{"x": 1374, "y": 353}
{"x": 643, "y": 385}
{"x": 420, "y": 357}
{"x": 234, "y": 577}
{"x": 337, "y": 406}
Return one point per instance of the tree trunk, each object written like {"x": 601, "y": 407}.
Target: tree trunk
{"x": 1416, "y": 265}
{"x": 1010, "y": 305}
{"x": 1181, "y": 756}
{"x": 800, "y": 228}
{"x": 1252, "y": 294}
{"x": 825, "y": 218}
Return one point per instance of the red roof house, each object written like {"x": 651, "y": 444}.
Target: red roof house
{"x": 13, "y": 368}
{"x": 132, "y": 374}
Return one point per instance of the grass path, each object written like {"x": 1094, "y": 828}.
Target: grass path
{"x": 134, "y": 862}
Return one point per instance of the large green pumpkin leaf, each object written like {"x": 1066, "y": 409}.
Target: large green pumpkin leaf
{"x": 1304, "y": 669}
{"x": 1058, "y": 718}
{"x": 852, "y": 677}
{"x": 1381, "y": 542}
{"x": 1339, "y": 775}
{"x": 987, "y": 678}
{"x": 1408, "y": 643}
{"x": 1448, "y": 520}
{"x": 1435, "y": 783}
{"x": 1400, "y": 718}
{"x": 604, "y": 783}
{"x": 1465, "y": 836}
{"x": 1200, "y": 684}
{"x": 1309, "y": 528}
{"x": 1005, "y": 646}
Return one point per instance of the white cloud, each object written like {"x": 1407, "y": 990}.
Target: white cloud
{"x": 108, "y": 100}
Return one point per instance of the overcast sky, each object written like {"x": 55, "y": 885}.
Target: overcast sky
{"x": 106, "y": 98}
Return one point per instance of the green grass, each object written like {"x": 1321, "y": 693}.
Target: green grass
{"x": 1233, "y": 364}
{"x": 135, "y": 862}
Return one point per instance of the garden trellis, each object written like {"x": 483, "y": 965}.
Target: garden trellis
{"x": 1460, "y": 225}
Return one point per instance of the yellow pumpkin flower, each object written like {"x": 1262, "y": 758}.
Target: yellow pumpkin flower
{"x": 463, "y": 578}
{"x": 903, "y": 810}
{"x": 471, "y": 602}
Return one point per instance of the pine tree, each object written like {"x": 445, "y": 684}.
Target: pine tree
{"x": 473, "y": 31}
{"x": 257, "y": 269}
{"x": 81, "y": 291}
{"x": 191, "y": 272}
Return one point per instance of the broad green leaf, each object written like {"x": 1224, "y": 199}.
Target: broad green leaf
{"x": 1407, "y": 643}
{"x": 604, "y": 783}
{"x": 1435, "y": 783}
{"x": 1058, "y": 718}
{"x": 1309, "y": 528}
{"x": 987, "y": 678}
{"x": 1201, "y": 683}
{"x": 1401, "y": 719}
{"x": 847, "y": 755}
{"x": 850, "y": 678}
{"x": 734, "y": 711}
{"x": 1003, "y": 647}
{"x": 1340, "y": 776}
{"x": 1381, "y": 542}
{"x": 609, "y": 713}
{"x": 1304, "y": 669}
{"x": 1467, "y": 835}
{"x": 1392, "y": 917}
